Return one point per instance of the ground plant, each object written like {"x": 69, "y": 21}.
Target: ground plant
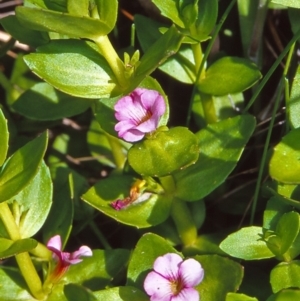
{"x": 150, "y": 150}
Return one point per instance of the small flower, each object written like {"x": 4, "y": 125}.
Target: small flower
{"x": 64, "y": 259}
{"x": 174, "y": 279}
{"x": 138, "y": 113}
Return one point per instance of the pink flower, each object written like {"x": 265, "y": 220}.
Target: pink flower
{"x": 65, "y": 259}
{"x": 138, "y": 113}
{"x": 174, "y": 279}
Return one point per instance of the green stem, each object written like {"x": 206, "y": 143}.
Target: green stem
{"x": 184, "y": 222}
{"x": 24, "y": 261}
{"x": 42, "y": 252}
{"x": 205, "y": 56}
{"x": 117, "y": 152}
{"x": 112, "y": 58}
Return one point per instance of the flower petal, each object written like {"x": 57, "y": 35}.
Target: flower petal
{"x": 82, "y": 251}
{"x": 191, "y": 272}
{"x": 168, "y": 265}
{"x": 158, "y": 287}
{"x": 54, "y": 243}
{"x": 187, "y": 294}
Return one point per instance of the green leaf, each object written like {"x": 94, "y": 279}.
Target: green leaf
{"x": 148, "y": 248}
{"x": 229, "y": 75}
{"x": 63, "y": 23}
{"x": 239, "y": 297}
{"x": 285, "y": 275}
{"x": 13, "y": 286}
{"x": 21, "y": 167}
{"x": 287, "y": 151}
{"x": 293, "y": 103}
{"x": 216, "y": 283}
{"x": 221, "y": 145}
{"x": 108, "y": 12}
{"x": 181, "y": 65}
{"x": 164, "y": 152}
{"x": 246, "y": 244}
{"x": 290, "y": 3}
{"x": 77, "y": 292}
{"x": 286, "y": 232}
{"x": 206, "y": 19}
{"x": 10, "y": 248}
{"x": 121, "y": 293}
{"x": 43, "y": 102}
{"x": 83, "y": 72}
{"x": 97, "y": 272}
{"x": 286, "y": 295}
{"x": 166, "y": 46}
{"x": 169, "y": 9}
{"x": 78, "y": 7}
{"x": 4, "y": 138}
{"x": 24, "y": 35}
{"x": 34, "y": 202}
{"x": 144, "y": 214}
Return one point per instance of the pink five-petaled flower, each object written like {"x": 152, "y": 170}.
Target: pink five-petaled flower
{"x": 138, "y": 113}
{"x": 64, "y": 259}
{"x": 173, "y": 279}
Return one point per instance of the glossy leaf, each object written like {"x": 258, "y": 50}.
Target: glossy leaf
{"x": 246, "y": 244}
{"x": 144, "y": 214}
{"x": 221, "y": 145}
{"x": 13, "y": 285}
{"x": 169, "y": 9}
{"x": 164, "y": 152}
{"x": 181, "y": 65}
{"x": 285, "y": 275}
{"x": 4, "y": 138}
{"x": 286, "y": 295}
{"x": 64, "y": 23}
{"x": 21, "y": 167}
{"x": 284, "y": 165}
{"x": 96, "y": 272}
{"x": 239, "y": 72}
{"x": 84, "y": 73}
{"x": 76, "y": 292}
{"x": 148, "y": 248}
{"x": 34, "y": 202}
{"x": 293, "y": 103}
{"x": 43, "y": 102}
{"x": 216, "y": 283}
{"x": 121, "y": 293}
{"x": 239, "y": 297}
{"x": 24, "y": 35}
{"x": 10, "y": 248}
{"x": 108, "y": 12}
{"x": 290, "y": 3}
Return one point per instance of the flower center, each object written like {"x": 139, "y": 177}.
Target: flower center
{"x": 145, "y": 117}
{"x": 176, "y": 286}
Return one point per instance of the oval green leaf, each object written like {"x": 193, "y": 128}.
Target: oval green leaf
{"x": 246, "y": 244}
{"x": 239, "y": 297}
{"x": 164, "y": 152}
{"x": 293, "y": 103}
{"x": 286, "y": 295}
{"x": 74, "y": 67}
{"x": 284, "y": 165}
{"x": 64, "y": 23}
{"x": 21, "y": 167}
{"x": 43, "y": 102}
{"x": 285, "y": 275}
{"x": 229, "y": 75}
{"x": 121, "y": 293}
{"x": 144, "y": 214}
{"x": 221, "y": 145}
{"x": 10, "y": 248}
